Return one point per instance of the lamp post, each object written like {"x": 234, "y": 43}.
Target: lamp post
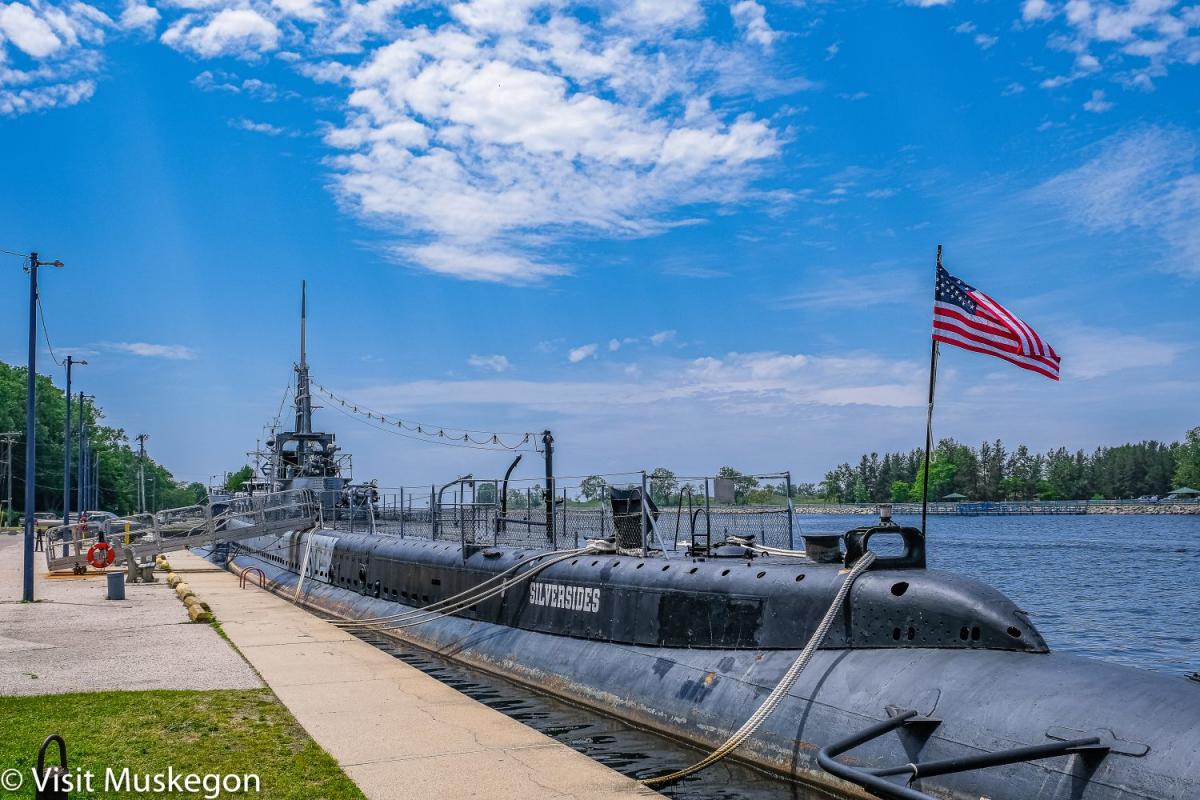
{"x": 81, "y": 497}
{"x": 31, "y": 426}
{"x": 71, "y": 360}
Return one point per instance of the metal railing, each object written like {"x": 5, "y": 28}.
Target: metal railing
{"x": 176, "y": 528}
{"x": 687, "y": 513}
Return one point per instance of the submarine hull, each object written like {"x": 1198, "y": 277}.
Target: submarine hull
{"x": 985, "y": 700}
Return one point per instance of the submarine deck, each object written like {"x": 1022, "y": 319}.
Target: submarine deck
{"x": 396, "y": 731}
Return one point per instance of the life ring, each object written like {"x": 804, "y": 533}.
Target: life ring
{"x": 100, "y": 555}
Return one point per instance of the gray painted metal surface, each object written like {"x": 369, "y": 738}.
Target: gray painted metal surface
{"x": 991, "y": 689}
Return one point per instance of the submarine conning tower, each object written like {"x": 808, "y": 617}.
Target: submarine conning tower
{"x": 303, "y": 458}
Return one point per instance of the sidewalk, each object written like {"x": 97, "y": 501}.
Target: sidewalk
{"x": 397, "y": 732}
{"x": 74, "y": 640}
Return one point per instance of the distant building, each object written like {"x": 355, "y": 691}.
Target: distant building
{"x": 1184, "y": 493}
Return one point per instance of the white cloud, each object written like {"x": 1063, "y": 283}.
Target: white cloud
{"x": 662, "y": 337}
{"x": 1089, "y": 353}
{"x": 306, "y": 10}
{"x": 49, "y": 54}
{"x": 60, "y": 95}
{"x": 614, "y": 345}
{"x": 496, "y": 145}
{"x": 493, "y": 363}
{"x": 985, "y": 41}
{"x": 147, "y": 350}
{"x": 751, "y": 18}
{"x": 137, "y": 15}
{"x": 1143, "y": 180}
{"x": 27, "y": 30}
{"x": 928, "y": 3}
{"x": 1098, "y": 105}
{"x": 244, "y": 124}
{"x": 1152, "y": 34}
{"x": 1035, "y": 9}
{"x": 577, "y": 354}
{"x": 240, "y": 32}
{"x": 753, "y": 384}
{"x": 838, "y": 290}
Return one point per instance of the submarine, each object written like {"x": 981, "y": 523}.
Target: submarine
{"x": 879, "y": 676}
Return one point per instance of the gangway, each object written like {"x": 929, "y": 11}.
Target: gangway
{"x": 138, "y": 538}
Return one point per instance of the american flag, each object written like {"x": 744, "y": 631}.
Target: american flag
{"x": 966, "y": 317}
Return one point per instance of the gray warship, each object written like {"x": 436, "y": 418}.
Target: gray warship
{"x": 916, "y": 683}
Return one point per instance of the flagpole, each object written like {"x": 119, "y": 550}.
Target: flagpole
{"x": 933, "y": 360}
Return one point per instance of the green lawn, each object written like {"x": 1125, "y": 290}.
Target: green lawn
{"x": 216, "y": 732}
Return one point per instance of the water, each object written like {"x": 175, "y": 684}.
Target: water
{"x": 632, "y": 752}
{"x": 1120, "y": 588}
{"x": 1116, "y": 587}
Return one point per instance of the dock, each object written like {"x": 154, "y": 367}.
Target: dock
{"x": 397, "y": 732}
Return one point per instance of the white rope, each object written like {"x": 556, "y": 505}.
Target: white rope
{"x": 780, "y": 691}
{"x": 498, "y": 590}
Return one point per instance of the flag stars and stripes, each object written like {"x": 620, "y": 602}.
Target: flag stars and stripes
{"x": 965, "y": 317}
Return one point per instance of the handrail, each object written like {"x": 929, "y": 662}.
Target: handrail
{"x": 873, "y": 779}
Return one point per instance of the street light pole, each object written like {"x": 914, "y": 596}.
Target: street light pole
{"x": 141, "y": 440}
{"x": 31, "y": 427}
{"x": 71, "y": 360}
{"x": 81, "y": 499}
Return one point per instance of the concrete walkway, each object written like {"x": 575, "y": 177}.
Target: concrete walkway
{"x": 74, "y": 640}
{"x": 397, "y": 732}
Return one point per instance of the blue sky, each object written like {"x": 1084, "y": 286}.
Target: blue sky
{"x": 677, "y": 233}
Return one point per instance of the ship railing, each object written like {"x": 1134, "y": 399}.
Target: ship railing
{"x": 688, "y": 512}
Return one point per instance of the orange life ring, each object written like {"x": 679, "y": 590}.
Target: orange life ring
{"x": 100, "y": 555}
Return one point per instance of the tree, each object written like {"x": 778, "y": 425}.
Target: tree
{"x": 742, "y": 484}
{"x": 235, "y": 481}
{"x": 941, "y": 481}
{"x": 592, "y": 487}
{"x": 1187, "y": 460}
{"x": 117, "y": 462}
{"x": 486, "y": 493}
{"x": 662, "y": 484}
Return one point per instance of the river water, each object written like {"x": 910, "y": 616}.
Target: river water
{"x": 1120, "y": 588}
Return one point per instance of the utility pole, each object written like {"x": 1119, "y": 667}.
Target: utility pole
{"x": 71, "y": 360}
{"x": 141, "y": 440}
{"x": 7, "y": 439}
{"x": 81, "y": 497}
{"x": 31, "y": 426}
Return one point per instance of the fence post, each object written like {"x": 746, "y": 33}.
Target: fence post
{"x": 643, "y": 507}
{"x": 707, "y": 518}
{"x": 791, "y": 512}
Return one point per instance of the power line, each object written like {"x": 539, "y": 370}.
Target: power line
{"x": 14, "y": 253}
{"x": 46, "y": 333}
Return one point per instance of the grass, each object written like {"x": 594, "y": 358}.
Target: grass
{"x": 222, "y": 732}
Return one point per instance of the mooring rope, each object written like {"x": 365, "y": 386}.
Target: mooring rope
{"x": 781, "y": 689}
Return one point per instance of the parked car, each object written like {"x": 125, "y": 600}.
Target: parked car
{"x": 42, "y": 520}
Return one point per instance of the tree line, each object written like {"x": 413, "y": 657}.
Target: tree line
{"x": 993, "y": 472}
{"x": 118, "y": 461}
